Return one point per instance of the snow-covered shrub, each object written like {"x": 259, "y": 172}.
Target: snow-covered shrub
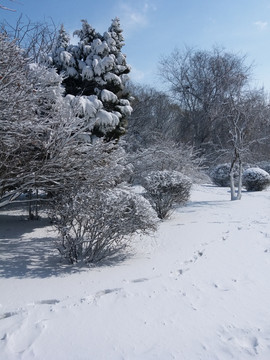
{"x": 256, "y": 179}
{"x": 97, "y": 224}
{"x": 265, "y": 165}
{"x": 166, "y": 188}
{"x": 33, "y": 125}
{"x": 220, "y": 175}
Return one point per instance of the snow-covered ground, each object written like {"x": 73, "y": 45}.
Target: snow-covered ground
{"x": 198, "y": 289}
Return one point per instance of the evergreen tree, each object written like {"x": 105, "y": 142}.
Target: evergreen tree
{"x": 62, "y": 44}
{"x": 115, "y": 32}
{"x": 95, "y": 72}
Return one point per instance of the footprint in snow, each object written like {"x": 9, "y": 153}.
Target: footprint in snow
{"x": 47, "y": 302}
{"x": 139, "y": 280}
{"x": 22, "y": 338}
{"x": 106, "y": 292}
{"x": 90, "y": 299}
{"x": 196, "y": 256}
{"x": 225, "y": 235}
{"x": 8, "y": 314}
{"x": 221, "y": 288}
{"x": 182, "y": 271}
{"x": 242, "y": 339}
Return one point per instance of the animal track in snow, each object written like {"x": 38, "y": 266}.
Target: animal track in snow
{"x": 225, "y": 235}
{"x": 182, "y": 271}
{"x": 196, "y": 256}
{"x": 267, "y": 235}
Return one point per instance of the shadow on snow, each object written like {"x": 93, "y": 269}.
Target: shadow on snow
{"x": 23, "y": 255}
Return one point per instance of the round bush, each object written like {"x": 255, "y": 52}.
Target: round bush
{"x": 166, "y": 188}
{"x": 220, "y": 175}
{"x": 256, "y": 179}
{"x": 265, "y": 165}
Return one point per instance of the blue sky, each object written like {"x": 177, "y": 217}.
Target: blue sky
{"x": 153, "y": 28}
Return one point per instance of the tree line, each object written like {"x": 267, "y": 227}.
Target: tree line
{"x": 210, "y": 106}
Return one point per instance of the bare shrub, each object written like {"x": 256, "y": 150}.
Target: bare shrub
{"x": 166, "y": 188}
{"x": 97, "y": 224}
{"x": 35, "y": 38}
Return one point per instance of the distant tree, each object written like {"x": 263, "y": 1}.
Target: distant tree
{"x": 246, "y": 117}
{"x": 154, "y": 117}
{"x": 95, "y": 72}
{"x": 165, "y": 155}
{"x": 201, "y": 81}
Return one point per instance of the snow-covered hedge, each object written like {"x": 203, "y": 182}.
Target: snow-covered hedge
{"x": 97, "y": 224}
{"x": 220, "y": 175}
{"x": 166, "y": 188}
{"x": 256, "y": 179}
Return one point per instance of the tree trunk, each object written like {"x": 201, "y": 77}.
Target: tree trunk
{"x": 233, "y": 196}
{"x": 239, "y": 192}
{"x": 30, "y": 213}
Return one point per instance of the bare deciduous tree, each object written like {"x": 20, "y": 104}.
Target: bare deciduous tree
{"x": 3, "y": 7}
{"x": 41, "y": 143}
{"x": 154, "y": 117}
{"x": 246, "y": 116}
{"x": 35, "y": 38}
{"x": 166, "y": 155}
{"x": 200, "y": 81}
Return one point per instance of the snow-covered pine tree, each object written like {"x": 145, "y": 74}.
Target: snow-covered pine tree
{"x": 117, "y": 77}
{"x": 60, "y": 55}
{"x": 115, "y": 32}
{"x": 95, "y": 72}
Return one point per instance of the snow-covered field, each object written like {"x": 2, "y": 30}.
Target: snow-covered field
{"x": 198, "y": 289}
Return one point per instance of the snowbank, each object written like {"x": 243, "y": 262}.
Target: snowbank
{"x": 198, "y": 289}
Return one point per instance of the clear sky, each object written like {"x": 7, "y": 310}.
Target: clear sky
{"x": 153, "y": 28}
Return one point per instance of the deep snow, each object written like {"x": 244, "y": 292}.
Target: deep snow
{"x": 198, "y": 289}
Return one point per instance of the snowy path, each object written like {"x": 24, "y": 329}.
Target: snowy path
{"x": 198, "y": 289}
